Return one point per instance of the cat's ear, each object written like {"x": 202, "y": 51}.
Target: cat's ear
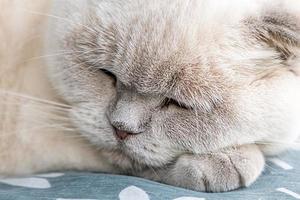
{"x": 279, "y": 30}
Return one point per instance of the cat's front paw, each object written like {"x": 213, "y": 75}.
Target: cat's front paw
{"x": 218, "y": 172}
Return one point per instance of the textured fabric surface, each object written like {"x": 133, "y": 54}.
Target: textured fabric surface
{"x": 280, "y": 180}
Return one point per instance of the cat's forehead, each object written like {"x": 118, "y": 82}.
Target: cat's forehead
{"x": 157, "y": 59}
{"x": 150, "y": 75}
{"x": 173, "y": 64}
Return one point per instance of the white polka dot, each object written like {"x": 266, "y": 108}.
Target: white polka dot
{"x": 75, "y": 199}
{"x": 133, "y": 193}
{"x": 281, "y": 163}
{"x": 289, "y": 192}
{"x": 37, "y": 183}
{"x": 189, "y": 198}
{"x": 52, "y": 175}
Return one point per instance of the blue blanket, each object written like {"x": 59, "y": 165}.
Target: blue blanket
{"x": 280, "y": 180}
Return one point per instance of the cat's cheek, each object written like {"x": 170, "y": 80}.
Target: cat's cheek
{"x": 91, "y": 122}
{"x": 178, "y": 128}
{"x": 151, "y": 148}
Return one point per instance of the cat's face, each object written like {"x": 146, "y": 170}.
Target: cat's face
{"x": 165, "y": 79}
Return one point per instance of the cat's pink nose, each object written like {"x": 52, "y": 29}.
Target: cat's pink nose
{"x": 122, "y": 135}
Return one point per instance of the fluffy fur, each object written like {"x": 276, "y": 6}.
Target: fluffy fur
{"x": 34, "y": 131}
{"x": 205, "y": 87}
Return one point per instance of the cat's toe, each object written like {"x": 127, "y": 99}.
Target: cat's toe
{"x": 186, "y": 174}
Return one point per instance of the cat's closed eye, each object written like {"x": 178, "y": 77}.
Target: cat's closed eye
{"x": 169, "y": 101}
{"x": 110, "y": 74}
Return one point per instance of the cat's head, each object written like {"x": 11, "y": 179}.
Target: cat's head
{"x": 154, "y": 80}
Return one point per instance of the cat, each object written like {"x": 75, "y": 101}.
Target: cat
{"x": 189, "y": 93}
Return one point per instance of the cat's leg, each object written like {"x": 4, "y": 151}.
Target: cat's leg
{"x": 221, "y": 171}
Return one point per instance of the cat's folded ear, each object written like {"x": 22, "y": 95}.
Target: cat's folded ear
{"x": 278, "y": 29}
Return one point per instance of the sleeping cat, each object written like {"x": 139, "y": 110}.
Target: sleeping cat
{"x": 190, "y": 93}
{"x": 180, "y": 91}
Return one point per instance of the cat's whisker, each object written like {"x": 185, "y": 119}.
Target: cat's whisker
{"x": 78, "y": 74}
{"x": 44, "y": 119}
{"x": 40, "y": 114}
{"x": 49, "y": 55}
{"x": 55, "y": 129}
{"x": 35, "y": 99}
{"x": 39, "y": 118}
{"x": 52, "y": 128}
{"x": 66, "y": 70}
{"x": 39, "y": 107}
{"x": 42, "y": 108}
{"x": 56, "y": 17}
{"x": 86, "y": 70}
{"x": 58, "y": 53}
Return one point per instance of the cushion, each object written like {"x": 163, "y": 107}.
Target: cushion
{"x": 280, "y": 180}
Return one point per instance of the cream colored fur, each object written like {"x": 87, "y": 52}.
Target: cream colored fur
{"x": 28, "y": 143}
{"x": 229, "y": 87}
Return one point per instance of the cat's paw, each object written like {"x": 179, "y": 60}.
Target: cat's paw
{"x": 218, "y": 172}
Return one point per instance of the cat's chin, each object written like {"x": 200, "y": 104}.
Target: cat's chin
{"x": 130, "y": 154}
{"x": 130, "y": 160}
{"x": 143, "y": 157}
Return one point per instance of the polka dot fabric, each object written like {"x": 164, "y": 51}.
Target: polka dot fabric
{"x": 280, "y": 180}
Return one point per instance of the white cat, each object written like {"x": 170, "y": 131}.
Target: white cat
{"x": 189, "y": 93}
